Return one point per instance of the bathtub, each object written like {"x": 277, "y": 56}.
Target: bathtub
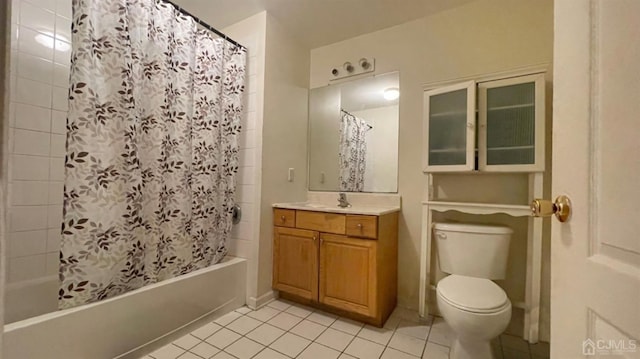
{"x": 123, "y": 324}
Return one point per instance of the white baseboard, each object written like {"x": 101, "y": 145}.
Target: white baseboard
{"x": 255, "y": 303}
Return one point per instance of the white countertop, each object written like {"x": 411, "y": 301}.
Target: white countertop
{"x": 356, "y": 209}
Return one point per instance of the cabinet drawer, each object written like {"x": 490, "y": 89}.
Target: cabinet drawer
{"x": 321, "y": 221}
{"x": 362, "y": 226}
{"x": 284, "y": 217}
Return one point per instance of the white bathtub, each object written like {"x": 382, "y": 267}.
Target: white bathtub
{"x": 119, "y": 325}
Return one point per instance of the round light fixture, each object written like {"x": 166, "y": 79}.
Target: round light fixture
{"x": 391, "y": 93}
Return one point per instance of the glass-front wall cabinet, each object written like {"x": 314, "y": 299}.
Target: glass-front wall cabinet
{"x": 449, "y": 130}
{"x": 507, "y": 135}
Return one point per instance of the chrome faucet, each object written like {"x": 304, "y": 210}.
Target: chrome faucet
{"x": 342, "y": 200}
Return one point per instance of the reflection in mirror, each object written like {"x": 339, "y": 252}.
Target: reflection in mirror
{"x": 353, "y": 135}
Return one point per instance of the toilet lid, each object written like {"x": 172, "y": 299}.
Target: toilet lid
{"x": 472, "y": 294}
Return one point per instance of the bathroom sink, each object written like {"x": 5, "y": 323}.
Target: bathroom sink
{"x": 323, "y": 207}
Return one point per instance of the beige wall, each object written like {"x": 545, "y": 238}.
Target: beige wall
{"x": 482, "y": 37}
{"x": 284, "y": 135}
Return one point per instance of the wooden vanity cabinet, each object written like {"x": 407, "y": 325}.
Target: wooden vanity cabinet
{"x": 338, "y": 262}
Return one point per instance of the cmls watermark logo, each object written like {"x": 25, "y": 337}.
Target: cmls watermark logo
{"x": 608, "y": 347}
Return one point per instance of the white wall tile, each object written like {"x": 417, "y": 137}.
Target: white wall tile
{"x": 15, "y": 11}
{"x": 59, "y": 122}
{"x": 52, "y": 263}
{"x": 63, "y": 53}
{"x": 14, "y": 36}
{"x": 252, "y": 103}
{"x": 252, "y": 84}
{"x": 14, "y": 64}
{"x": 56, "y": 193}
{"x": 27, "y": 43}
{"x": 63, "y": 28}
{"x": 35, "y": 68}
{"x": 44, "y": 4}
{"x": 247, "y": 157}
{"x": 33, "y": 168}
{"x": 242, "y": 230}
{"x": 56, "y": 169}
{"x": 252, "y": 66}
{"x": 246, "y": 175}
{"x": 248, "y": 139}
{"x": 242, "y": 248}
{"x": 54, "y": 217}
{"x": 60, "y": 98}
{"x": 53, "y": 239}
{"x": 250, "y": 120}
{"x": 31, "y": 117}
{"x": 27, "y": 218}
{"x": 61, "y": 75}
{"x": 245, "y": 193}
{"x": 37, "y": 18}
{"x": 25, "y": 268}
{"x": 33, "y": 93}
{"x": 27, "y": 243}
{"x": 29, "y": 142}
{"x": 58, "y": 145}
{"x": 29, "y": 193}
{"x": 63, "y": 8}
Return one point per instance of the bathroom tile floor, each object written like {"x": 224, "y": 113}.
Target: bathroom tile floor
{"x": 283, "y": 330}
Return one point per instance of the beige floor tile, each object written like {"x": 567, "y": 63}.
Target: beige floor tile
{"x": 290, "y": 344}
{"x": 364, "y": 349}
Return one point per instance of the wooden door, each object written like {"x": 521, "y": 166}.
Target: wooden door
{"x": 348, "y": 273}
{"x": 295, "y": 262}
{"x": 595, "y": 256}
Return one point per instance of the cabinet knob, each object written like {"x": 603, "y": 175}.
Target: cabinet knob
{"x": 314, "y": 238}
{"x": 359, "y": 225}
{"x": 283, "y": 218}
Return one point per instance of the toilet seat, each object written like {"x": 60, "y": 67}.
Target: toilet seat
{"x": 476, "y": 295}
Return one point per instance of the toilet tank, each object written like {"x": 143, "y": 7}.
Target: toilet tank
{"x": 473, "y": 250}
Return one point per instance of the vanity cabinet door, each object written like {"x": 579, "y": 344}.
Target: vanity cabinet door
{"x": 348, "y": 278}
{"x": 295, "y": 262}
{"x": 511, "y": 119}
{"x": 449, "y": 128}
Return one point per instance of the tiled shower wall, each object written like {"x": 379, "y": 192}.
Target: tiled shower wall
{"x": 39, "y": 81}
{"x": 40, "y": 61}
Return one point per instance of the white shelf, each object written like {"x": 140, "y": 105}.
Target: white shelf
{"x": 480, "y": 208}
{"x": 448, "y": 114}
{"x": 448, "y": 150}
{"x": 507, "y": 148}
{"x": 510, "y": 107}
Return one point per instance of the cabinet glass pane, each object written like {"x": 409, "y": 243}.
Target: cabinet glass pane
{"x": 448, "y": 128}
{"x": 511, "y": 124}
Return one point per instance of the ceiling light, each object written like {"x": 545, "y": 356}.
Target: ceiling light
{"x": 391, "y": 93}
{"x": 48, "y": 39}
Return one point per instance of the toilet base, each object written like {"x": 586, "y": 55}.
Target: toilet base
{"x": 471, "y": 349}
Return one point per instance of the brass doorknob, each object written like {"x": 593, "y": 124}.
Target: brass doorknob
{"x": 544, "y": 208}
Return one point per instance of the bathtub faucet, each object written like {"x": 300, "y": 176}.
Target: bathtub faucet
{"x": 342, "y": 200}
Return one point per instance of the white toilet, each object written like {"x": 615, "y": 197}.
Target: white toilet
{"x": 475, "y": 308}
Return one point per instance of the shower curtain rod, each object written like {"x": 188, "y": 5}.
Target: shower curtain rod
{"x": 204, "y": 24}
{"x": 350, "y": 114}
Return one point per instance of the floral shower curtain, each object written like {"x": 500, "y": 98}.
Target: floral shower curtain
{"x": 152, "y": 148}
{"x": 353, "y": 152}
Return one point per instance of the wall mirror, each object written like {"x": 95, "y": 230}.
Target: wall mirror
{"x": 353, "y": 135}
